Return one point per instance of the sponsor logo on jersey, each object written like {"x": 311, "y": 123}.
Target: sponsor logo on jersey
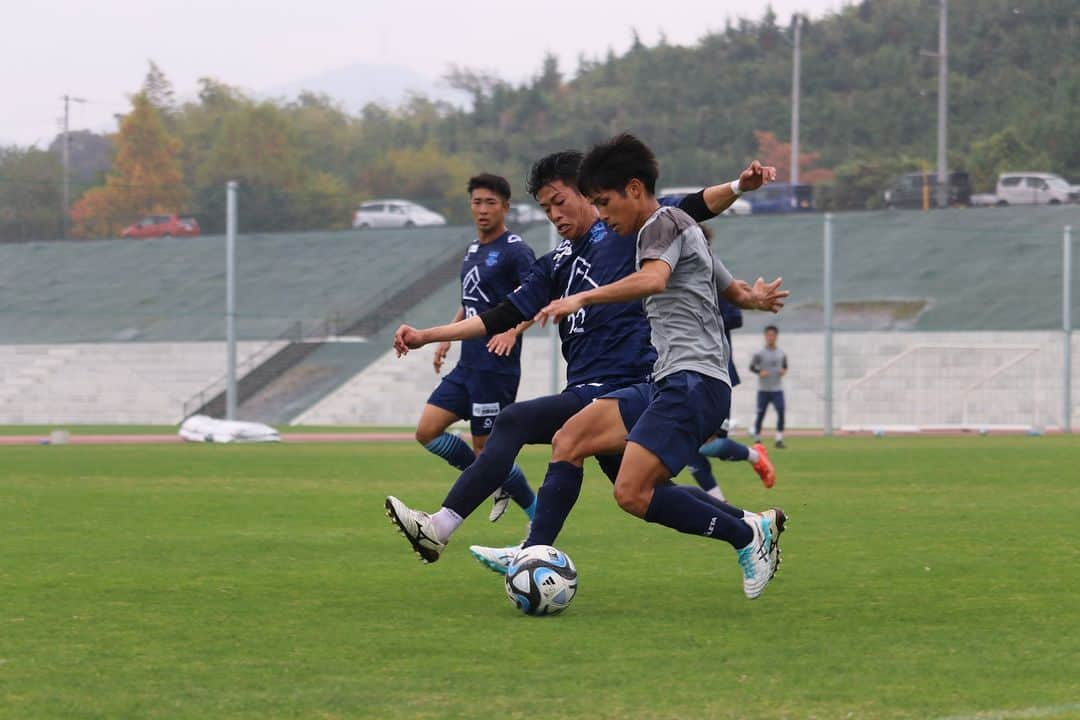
{"x": 513, "y": 239}
{"x": 485, "y": 409}
{"x": 472, "y": 248}
{"x": 470, "y": 287}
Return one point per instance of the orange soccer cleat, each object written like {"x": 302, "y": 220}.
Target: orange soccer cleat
{"x": 763, "y": 467}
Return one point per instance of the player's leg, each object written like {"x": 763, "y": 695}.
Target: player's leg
{"x": 701, "y": 470}
{"x": 490, "y": 394}
{"x": 778, "y": 403}
{"x": 685, "y": 407}
{"x": 598, "y": 429}
{"x": 762, "y": 406}
{"x": 723, "y": 447}
{"x": 520, "y": 424}
{"x": 448, "y": 403}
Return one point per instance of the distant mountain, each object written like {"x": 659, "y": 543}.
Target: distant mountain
{"x": 357, "y": 85}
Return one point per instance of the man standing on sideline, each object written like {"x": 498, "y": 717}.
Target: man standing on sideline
{"x": 485, "y": 380}
{"x": 770, "y": 365}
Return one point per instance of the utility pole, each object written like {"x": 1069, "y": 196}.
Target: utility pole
{"x": 796, "y": 65}
{"x": 66, "y": 152}
{"x": 943, "y": 104}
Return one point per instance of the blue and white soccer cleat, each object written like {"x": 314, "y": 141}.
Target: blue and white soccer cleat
{"x": 417, "y": 528}
{"x": 495, "y": 559}
{"x": 758, "y": 559}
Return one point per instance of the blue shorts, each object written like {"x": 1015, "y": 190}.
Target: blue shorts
{"x": 766, "y": 397}
{"x": 682, "y": 411}
{"x": 476, "y": 396}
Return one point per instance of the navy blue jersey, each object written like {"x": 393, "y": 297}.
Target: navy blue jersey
{"x": 489, "y": 273}
{"x": 601, "y": 343}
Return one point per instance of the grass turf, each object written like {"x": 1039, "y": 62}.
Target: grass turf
{"x": 922, "y": 578}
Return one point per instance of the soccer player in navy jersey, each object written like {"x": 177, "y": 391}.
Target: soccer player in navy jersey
{"x": 605, "y": 348}
{"x": 689, "y": 396}
{"x": 485, "y": 379}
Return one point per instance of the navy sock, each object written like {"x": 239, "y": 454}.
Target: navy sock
{"x": 520, "y": 492}
{"x": 725, "y": 449}
{"x": 453, "y": 450}
{"x": 716, "y": 502}
{"x": 679, "y": 510}
{"x": 559, "y": 493}
{"x": 700, "y": 468}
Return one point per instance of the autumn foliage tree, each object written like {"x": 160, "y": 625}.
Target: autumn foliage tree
{"x": 778, "y": 154}
{"x": 146, "y": 177}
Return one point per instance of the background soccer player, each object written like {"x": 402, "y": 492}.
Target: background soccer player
{"x": 770, "y": 365}
{"x": 485, "y": 379}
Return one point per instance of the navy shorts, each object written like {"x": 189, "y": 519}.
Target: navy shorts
{"x": 765, "y": 398}
{"x": 476, "y": 396}
{"x": 684, "y": 409}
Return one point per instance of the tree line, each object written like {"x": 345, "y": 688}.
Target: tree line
{"x": 868, "y": 112}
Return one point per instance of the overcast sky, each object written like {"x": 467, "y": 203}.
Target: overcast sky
{"x": 98, "y": 49}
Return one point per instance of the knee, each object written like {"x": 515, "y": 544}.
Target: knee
{"x": 425, "y": 433}
{"x": 510, "y": 419}
{"x": 567, "y": 446}
{"x": 631, "y": 499}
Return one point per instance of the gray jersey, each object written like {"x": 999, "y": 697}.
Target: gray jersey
{"x": 687, "y": 328}
{"x": 773, "y": 361}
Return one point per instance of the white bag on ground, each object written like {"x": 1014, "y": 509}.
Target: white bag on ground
{"x": 201, "y": 428}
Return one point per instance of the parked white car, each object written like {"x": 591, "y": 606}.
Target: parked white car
{"x": 395, "y": 214}
{"x": 1033, "y": 188}
{"x": 524, "y": 214}
{"x": 739, "y": 207}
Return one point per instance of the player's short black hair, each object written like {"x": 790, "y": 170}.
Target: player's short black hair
{"x": 613, "y": 164}
{"x": 773, "y": 328}
{"x": 495, "y": 183}
{"x": 563, "y": 165}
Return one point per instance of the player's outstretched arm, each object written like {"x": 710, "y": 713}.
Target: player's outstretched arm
{"x": 764, "y": 296}
{"x": 409, "y": 338}
{"x": 651, "y": 279}
{"x": 719, "y": 198}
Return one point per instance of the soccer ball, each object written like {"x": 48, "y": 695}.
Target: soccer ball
{"x": 541, "y": 580}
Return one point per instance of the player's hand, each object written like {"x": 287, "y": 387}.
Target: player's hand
{"x": 556, "y": 310}
{"x": 502, "y": 343}
{"x": 407, "y": 338}
{"x": 440, "y": 355}
{"x": 763, "y": 373}
{"x": 755, "y": 175}
{"x": 768, "y": 296}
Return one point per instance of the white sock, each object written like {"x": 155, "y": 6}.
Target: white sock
{"x": 748, "y": 514}
{"x": 445, "y": 522}
{"x": 753, "y": 457}
{"x": 779, "y": 436}
{"x": 717, "y": 493}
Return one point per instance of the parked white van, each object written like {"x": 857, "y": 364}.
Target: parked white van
{"x": 1033, "y": 188}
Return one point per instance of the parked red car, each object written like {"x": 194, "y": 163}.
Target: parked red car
{"x": 163, "y": 226}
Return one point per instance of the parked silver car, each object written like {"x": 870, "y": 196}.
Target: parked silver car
{"x": 395, "y": 214}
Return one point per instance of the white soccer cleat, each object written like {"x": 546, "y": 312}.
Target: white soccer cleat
{"x": 778, "y": 519}
{"x": 499, "y": 502}
{"x": 495, "y": 559}
{"x": 417, "y": 528}
{"x": 758, "y": 559}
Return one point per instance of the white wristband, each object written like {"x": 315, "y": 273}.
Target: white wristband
{"x": 735, "y": 188}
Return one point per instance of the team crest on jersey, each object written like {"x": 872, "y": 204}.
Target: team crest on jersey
{"x": 492, "y": 258}
{"x": 470, "y": 287}
{"x": 597, "y": 233}
{"x": 579, "y": 270}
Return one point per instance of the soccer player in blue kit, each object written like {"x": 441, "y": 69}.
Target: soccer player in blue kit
{"x": 606, "y": 348}
{"x": 485, "y": 379}
{"x": 689, "y": 396}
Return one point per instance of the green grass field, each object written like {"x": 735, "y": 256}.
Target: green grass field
{"x": 922, "y": 578}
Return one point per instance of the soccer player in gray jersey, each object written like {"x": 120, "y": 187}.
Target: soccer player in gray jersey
{"x": 770, "y": 365}
{"x": 690, "y": 396}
